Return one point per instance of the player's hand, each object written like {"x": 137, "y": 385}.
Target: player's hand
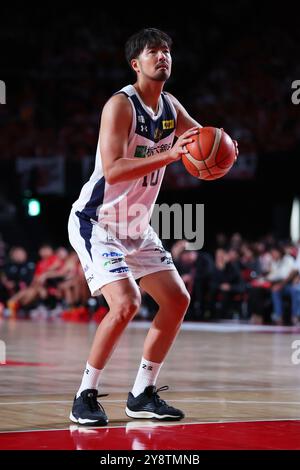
{"x": 179, "y": 148}
{"x": 236, "y": 147}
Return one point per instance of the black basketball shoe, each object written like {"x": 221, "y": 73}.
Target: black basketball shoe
{"x": 149, "y": 405}
{"x": 87, "y": 410}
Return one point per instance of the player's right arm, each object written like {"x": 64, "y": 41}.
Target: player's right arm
{"x": 115, "y": 127}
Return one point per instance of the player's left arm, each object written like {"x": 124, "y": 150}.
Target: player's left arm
{"x": 185, "y": 121}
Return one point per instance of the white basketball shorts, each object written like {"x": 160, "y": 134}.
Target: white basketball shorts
{"x": 106, "y": 259}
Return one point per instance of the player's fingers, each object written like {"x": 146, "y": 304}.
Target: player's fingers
{"x": 183, "y": 150}
{"x": 185, "y": 141}
{"x": 236, "y": 149}
{"x": 192, "y": 131}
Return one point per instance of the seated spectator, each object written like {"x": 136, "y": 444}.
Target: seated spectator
{"x": 263, "y": 257}
{"x": 200, "y": 295}
{"x": 185, "y": 261}
{"x": 16, "y": 274}
{"x": 265, "y": 286}
{"x": 226, "y": 283}
{"x": 36, "y": 290}
{"x": 72, "y": 285}
{"x": 295, "y": 297}
{"x": 250, "y": 263}
{"x": 289, "y": 286}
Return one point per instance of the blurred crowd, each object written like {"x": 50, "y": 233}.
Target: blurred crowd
{"x": 257, "y": 282}
{"x": 240, "y": 80}
{"x": 60, "y": 67}
{"x": 42, "y": 288}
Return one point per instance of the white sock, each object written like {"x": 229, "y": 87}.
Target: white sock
{"x": 147, "y": 375}
{"x": 90, "y": 379}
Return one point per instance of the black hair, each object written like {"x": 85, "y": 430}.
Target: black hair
{"x": 150, "y": 37}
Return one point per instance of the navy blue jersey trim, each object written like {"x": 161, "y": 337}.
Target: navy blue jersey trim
{"x": 149, "y": 128}
{"x": 89, "y": 213}
{"x": 96, "y": 200}
{"x": 85, "y": 231}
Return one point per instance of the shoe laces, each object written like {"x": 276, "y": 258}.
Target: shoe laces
{"x": 93, "y": 404}
{"x": 154, "y": 393}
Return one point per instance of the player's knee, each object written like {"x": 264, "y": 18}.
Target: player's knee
{"x": 181, "y": 301}
{"x": 126, "y": 308}
{"x": 185, "y": 299}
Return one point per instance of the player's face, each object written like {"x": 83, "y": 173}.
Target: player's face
{"x": 155, "y": 63}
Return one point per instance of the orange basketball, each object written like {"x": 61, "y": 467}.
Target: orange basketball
{"x": 211, "y": 154}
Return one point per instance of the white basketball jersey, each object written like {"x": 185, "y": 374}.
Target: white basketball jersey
{"x": 130, "y": 202}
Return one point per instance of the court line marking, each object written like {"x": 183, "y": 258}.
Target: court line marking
{"x": 153, "y": 424}
{"x": 180, "y": 400}
{"x": 223, "y": 327}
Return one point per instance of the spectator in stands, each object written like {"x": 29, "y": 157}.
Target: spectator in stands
{"x": 72, "y": 285}
{"x": 262, "y": 287}
{"x": 226, "y": 284}
{"x": 18, "y": 272}
{"x": 36, "y": 290}
{"x": 200, "y": 296}
{"x": 186, "y": 261}
{"x": 289, "y": 287}
{"x": 250, "y": 263}
{"x": 263, "y": 256}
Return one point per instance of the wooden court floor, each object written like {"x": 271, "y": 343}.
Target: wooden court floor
{"x": 218, "y": 374}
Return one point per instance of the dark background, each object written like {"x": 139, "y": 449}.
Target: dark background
{"x": 233, "y": 66}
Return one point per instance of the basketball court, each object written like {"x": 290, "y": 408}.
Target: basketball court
{"x": 237, "y": 385}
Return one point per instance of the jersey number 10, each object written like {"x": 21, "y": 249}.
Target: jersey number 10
{"x": 152, "y": 180}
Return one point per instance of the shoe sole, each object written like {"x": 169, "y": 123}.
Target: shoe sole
{"x": 150, "y": 415}
{"x": 87, "y": 422}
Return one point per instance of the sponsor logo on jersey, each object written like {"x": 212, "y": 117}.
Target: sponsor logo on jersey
{"x": 166, "y": 260}
{"x": 141, "y": 119}
{"x": 140, "y": 151}
{"x": 123, "y": 269}
{"x": 158, "y": 149}
{"x": 112, "y": 254}
{"x": 168, "y": 124}
{"x": 112, "y": 261}
{"x": 89, "y": 279}
{"x": 144, "y": 128}
{"x": 115, "y": 262}
{"x": 158, "y": 134}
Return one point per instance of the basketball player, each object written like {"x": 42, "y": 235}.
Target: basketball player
{"x": 137, "y": 130}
